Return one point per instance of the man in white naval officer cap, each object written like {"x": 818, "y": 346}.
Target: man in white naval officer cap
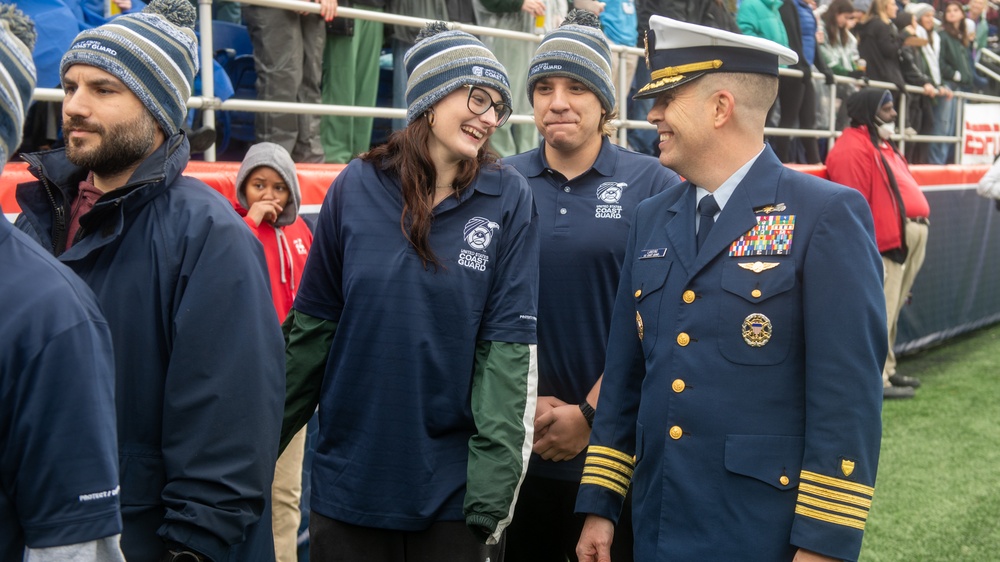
{"x": 742, "y": 393}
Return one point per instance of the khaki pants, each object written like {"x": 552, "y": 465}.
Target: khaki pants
{"x": 899, "y": 278}
{"x": 286, "y": 493}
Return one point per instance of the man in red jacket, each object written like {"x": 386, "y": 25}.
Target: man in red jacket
{"x": 865, "y": 159}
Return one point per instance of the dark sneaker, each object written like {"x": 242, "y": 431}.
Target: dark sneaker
{"x": 903, "y": 380}
{"x": 894, "y": 392}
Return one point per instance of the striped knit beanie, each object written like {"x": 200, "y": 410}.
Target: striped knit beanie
{"x": 443, "y": 61}
{"x": 576, "y": 49}
{"x": 154, "y": 53}
{"x": 17, "y": 76}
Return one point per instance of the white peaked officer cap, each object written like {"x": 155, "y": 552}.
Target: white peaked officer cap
{"x": 678, "y": 52}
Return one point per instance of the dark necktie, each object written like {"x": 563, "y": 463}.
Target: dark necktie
{"x": 707, "y": 208}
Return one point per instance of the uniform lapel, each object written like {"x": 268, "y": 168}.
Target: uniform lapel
{"x": 680, "y": 227}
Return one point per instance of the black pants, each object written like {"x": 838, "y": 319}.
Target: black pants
{"x": 545, "y": 528}
{"x": 446, "y": 541}
{"x": 797, "y": 102}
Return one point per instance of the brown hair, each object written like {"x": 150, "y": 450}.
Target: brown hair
{"x": 405, "y": 157}
{"x": 956, "y": 30}
{"x": 833, "y": 31}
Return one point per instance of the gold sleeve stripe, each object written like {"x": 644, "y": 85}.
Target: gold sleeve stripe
{"x": 837, "y": 483}
{"x": 607, "y": 463}
{"x": 609, "y": 474}
{"x": 609, "y": 452}
{"x": 829, "y": 518}
{"x": 834, "y": 507}
{"x": 604, "y": 484}
{"x": 832, "y": 495}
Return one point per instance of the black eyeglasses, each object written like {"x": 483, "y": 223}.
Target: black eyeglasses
{"x": 480, "y": 102}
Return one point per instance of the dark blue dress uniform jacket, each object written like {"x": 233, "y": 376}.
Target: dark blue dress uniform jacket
{"x": 740, "y": 451}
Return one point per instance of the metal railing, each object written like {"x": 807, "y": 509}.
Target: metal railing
{"x": 209, "y": 104}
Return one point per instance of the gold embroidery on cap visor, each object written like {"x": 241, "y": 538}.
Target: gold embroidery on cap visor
{"x": 674, "y": 74}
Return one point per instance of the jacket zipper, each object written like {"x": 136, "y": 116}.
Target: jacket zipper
{"x": 59, "y": 226}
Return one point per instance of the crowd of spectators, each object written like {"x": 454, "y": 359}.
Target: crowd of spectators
{"x": 932, "y": 45}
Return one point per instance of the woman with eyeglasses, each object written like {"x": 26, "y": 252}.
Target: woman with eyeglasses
{"x": 414, "y": 327}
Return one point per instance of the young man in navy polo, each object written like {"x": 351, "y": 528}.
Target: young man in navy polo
{"x": 586, "y": 190}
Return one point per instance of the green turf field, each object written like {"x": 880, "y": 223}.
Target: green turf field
{"x": 937, "y": 496}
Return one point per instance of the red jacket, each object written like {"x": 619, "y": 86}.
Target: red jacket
{"x": 854, "y": 161}
{"x": 285, "y": 249}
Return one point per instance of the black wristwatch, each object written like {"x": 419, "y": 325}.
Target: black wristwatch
{"x": 183, "y": 556}
{"x": 588, "y": 412}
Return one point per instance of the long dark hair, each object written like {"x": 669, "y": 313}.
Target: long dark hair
{"x": 836, "y": 8}
{"x": 956, "y": 30}
{"x": 406, "y": 158}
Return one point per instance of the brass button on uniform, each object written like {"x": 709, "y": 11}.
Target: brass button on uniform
{"x": 683, "y": 339}
{"x": 755, "y": 293}
{"x": 678, "y": 386}
{"x": 783, "y": 480}
{"x": 638, "y": 293}
{"x": 676, "y": 432}
{"x": 688, "y": 296}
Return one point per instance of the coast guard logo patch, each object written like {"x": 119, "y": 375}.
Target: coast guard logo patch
{"x": 479, "y": 233}
{"x": 610, "y": 193}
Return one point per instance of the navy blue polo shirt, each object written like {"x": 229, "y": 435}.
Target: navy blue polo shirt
{"x": 58, "y": 445}
{"x": 583, "y": 227}
{"x": 395, "y": 408}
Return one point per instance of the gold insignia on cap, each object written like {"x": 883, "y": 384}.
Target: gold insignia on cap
{"x": 768, "y": 209}
{"x": 638, "y": 325}
{"x": 847, "y": 467}
{"x": 645, "y": 42}
{"x": 680, "y": 70}
{"x": 756, "y": 330}
{"x": 758, "y": 266}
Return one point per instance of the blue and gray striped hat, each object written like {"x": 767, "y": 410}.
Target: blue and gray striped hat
{"x": 154, "y": 53}
{"x": 576, "y": 49}
{"x": 17, "y": 76}
{"x": 442, "y": 61}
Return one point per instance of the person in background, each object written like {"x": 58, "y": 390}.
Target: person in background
{"x": 288, "y": 58}
{"x": 865, "y": 159}
{"x": 797, "y": 95}
{"x": 350, "y": 77}
{"x": 58, "y": 446}
{"x": 880, "y": 44}
{"x": 268, "y": 197}
{"x": 403, "y": 36}
{"x": 989, "y": 185}
{"x": 618, "y": 20}
{"x": 526, "y": 16}
{"x": 839, "y": 50}
{"x": 922, "y": 44}
{"x": 957, "y": 75}
{"x": 728, "y": 368}
{"x": 586, "y": 191}
{"x": 416, "y": 321}
{"x": 198, "y": 372}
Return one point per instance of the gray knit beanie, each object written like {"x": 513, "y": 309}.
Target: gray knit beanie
{"x": 154, "y": 53}
{"x": 443, "y": 61}
{"x": 273, "y": 156}
{"x": 576, "y": 49}
{"x": 17, "y": 76}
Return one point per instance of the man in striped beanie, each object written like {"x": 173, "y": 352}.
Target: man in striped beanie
{"x": 199, "y": 373}
{"x": 586, "y": 190}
